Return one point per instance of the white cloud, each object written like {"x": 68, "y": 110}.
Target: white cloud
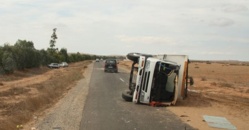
{"x": 216, "y": 53}
{"x": 146, "y": 40}
{"x": 221, "y": 22}
{"x": 235, "y": 8}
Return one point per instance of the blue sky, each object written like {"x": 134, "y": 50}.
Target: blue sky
{"x": 204, "y": 30}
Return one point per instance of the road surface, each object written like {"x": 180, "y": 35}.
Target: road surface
{"x": 106, "y": 110}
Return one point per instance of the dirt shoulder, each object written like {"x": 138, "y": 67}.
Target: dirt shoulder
{"x": 67, "y": 113}
{"x": 219, "y": 90}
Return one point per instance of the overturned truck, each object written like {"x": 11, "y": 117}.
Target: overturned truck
{"x": 157, "y": 80}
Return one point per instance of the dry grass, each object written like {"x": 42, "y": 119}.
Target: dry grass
{"x": 50, "y": 91}
{"x": 213, "y": 83}
{"x": 229, "y": 80}
{"x": 24, "y": 74}
{"x": 226, "y": 85}
{"x": 14, "y": 91}
{"x": 125, "y": 64}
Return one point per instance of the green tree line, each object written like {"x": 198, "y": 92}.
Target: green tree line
{"x": 23, "y": 55}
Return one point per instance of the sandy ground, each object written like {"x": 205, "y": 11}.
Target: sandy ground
{"x": 219, "y": 90}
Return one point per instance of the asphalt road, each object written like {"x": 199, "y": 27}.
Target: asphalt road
{"x": 106, "y": 110}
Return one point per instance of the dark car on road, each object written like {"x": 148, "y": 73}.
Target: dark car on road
{"x": 111, "y": 65}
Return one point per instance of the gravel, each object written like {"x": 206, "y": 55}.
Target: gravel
{"x": 67, "y": 113}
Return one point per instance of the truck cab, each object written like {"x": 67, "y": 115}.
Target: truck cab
{"x": 160, "y": 79}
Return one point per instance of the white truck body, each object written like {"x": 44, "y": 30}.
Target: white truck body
{"x": 157, "y": 82}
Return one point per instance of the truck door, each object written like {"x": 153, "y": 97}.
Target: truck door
{"x": 141, "y": 64}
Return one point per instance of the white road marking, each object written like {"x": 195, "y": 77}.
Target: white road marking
{"x": 122, "y": 80}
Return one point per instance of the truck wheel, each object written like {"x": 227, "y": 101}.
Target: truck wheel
{"x": 133, "y": 56}
{"x": 127, "y": 96}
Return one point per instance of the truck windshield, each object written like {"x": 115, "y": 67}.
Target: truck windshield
{"x": 165, "y": 68}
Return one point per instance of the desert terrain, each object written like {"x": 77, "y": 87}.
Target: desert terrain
{"x": 220, "y": 89}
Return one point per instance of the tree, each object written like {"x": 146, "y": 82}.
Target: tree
{"x": 26, "y": 56}
{"x": 64, "y": 55}
{"x": 8, "y": 62}
{"x": 24, "y": 44}
{"x": 53, "y": 40}
{"x": 1, "y": 56}
{"x": 52, "y": 51}
{"x": 44, "y": 57}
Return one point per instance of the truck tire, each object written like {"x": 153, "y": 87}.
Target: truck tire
{"x": 126, "y": 95}
{"x": 135, "y": 56}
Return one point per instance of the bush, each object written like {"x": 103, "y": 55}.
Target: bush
{"x": 191, "y": 80}
{"x": 203, "y": 79}
{"x": 26, "y": 55}
{"x": 8, "y": 62}
{"x": 208, "y": 62}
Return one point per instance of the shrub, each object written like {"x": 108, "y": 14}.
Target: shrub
{"x": 203, "y": 79}
{"x": 208, "y": 62}
{"x": 8, "y": 62}
{"x": 191, "y": 80}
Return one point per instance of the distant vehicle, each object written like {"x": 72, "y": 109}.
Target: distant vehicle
{"x": 63, "y": 64}
{"x": 54, "y": 65}
{"x": 97, "y": 60}
{"x": 111, "y": 65}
